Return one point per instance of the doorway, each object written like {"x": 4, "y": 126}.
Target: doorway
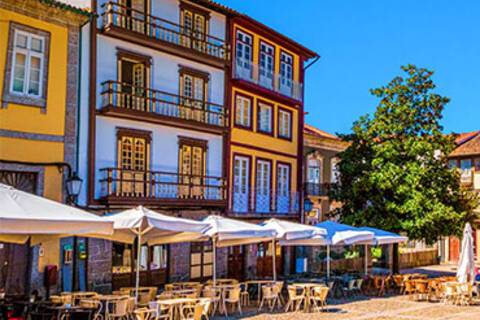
{"x": 236, "y": 263}
{"x": 265, "y": 261}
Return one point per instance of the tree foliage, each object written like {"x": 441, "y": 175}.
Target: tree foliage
{"x": 395, "y": 174}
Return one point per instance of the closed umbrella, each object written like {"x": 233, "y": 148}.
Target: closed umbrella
{"x": 466, "y": 265}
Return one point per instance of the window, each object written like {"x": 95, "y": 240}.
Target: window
{"x": 243, "y": 109}
{"x": 159, "y": 257}
{"x": 25, "y": 181}
{"x": 286, "y": 73}
{"x": 265, "y": 118}
{"x": 194, "y": 21}
{"x": 244, "y": 56}
{"x": 335, "y": 174}
{"x": 193, "y": 88}
{"x": 466, "y": 170}
{"x": 201, "y": 260}
{"x": 477, "y": 165}
{"x": 284, "y": 124}
{"x": 133, "y": 77}
{"x": 133, "y": 162}
{"x": 121, "y": 258}
{"x": 452, "y": 164}
{"x": 267, "y": 61}
{"x": 192, "y": 167}
{"x": 314, "y": 171}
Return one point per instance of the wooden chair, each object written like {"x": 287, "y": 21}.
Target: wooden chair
{"x": 421, "y": 290}
{"x": 278, "y": 288}
{"x": 215, "y": 298}
{"x": 465, "y": 293}
{"x": 449, "y": 294}
{"x": 198, "y": 312}
{"x": 145, "y": 314}
{"x": 94, "y": 304}
{"x": 398, "y": 280}
{"x": 409, "y": 287}
{"x": 295, "y": 299}
{"x": 269, "y": 297}
{"x": 350, "y": 288}
{"x": 118, "y": 309}
{"x": 319, "y": 297}
{"x": 232, "y": 297}
{"x": 244, "y": 294}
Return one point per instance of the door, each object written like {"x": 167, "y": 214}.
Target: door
{"x": 241, "y": 188}
{"x": 193, "y": 91}
{"x": 263, "y": 183}
{"x": 133, "y": 13}
{"x": 201, "y": 261}
{"x": 265, "y": 260}
{"x": 286, "y": 74}
{"x": 133, "y": 165}
{"x": 243, "y": 66}
{"x": 236, "y": 263}
{"x": 283, "y": 188}
{"x": 266, "y": 65}
{"x": 454, "y": 249}
{"x": 133, "y": 85}
{"x": 192, "y": 169}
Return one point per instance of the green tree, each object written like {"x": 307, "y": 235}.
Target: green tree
{"x": 395, "y": 174}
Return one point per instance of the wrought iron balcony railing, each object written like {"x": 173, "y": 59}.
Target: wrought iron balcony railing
{"x": 118, "y": 15}
{"x": 317, "y": 189}
{"x": 122, "y": 96}
{"x": 124, "y": 184}
{"x": 264, "y": 202}
{"x": 246, "y": 70}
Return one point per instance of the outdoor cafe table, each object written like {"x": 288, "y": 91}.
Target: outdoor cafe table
{"x": 174, "y": 305}
{"x": 308, "y": 287}
{"x": 259, "y": 284}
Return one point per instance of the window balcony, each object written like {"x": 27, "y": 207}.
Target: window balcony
{"x": 262, "y": 204}
{"x": 130, "y": 100}
{"x": 317, "y": 189}
{"x": 122, "y": 186}
{"x": 256, "y": 74}
{"x": 116, "y": 17}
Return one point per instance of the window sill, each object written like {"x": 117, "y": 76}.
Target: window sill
{"x": 24, "y": 100}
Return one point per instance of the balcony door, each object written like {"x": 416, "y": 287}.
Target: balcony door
{"x": 133, "y": 163}
{"x": 267, "y": 62}
{"x": 192, "y": 168}
{"x": 193, "y": 92}
{"x": 133, "y": 14}
{"x": 133, "y": 81}
{"x": 201, "y": 261}
{"x": 241, "y": 188}
{"x": 194, "y": 22}
{"x": 244, "y": 56}
{"x": 286, "y": 74}
{"x": 283, "y": 188}
{"x": 263, "y": 186}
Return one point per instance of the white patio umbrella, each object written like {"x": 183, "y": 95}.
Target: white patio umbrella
{"x": 287, "y": 231}
{"x": 226, "y": 232}
{"x": 148, "y": 226}
{"x": 337, "y": 234}
{"x": 381, "y": 237}
{"x": 466, "y": 265}
{"x": 24, "y": 215}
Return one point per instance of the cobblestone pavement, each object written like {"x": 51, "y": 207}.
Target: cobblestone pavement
{"x": 388, "y": 308}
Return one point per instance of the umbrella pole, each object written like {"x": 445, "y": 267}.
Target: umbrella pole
{"x": 274, "y": 262}
{"x": 214, "y": 244}
{"x": 366, "y": 259}
{"x": 328, "y": 261}
{"x": 137, "y": 274}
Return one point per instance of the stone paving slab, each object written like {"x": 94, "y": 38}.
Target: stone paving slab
{"x": 368, "y": 308}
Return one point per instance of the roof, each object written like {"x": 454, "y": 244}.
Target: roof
{"x": 468, "y": 143}
{"x": 66, "y": 5}
{"x": 308, "y": 129}
{"x": 229, "y": 11}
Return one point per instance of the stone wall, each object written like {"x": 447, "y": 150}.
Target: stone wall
{"x": 179, "y": 263}
{"x": 99, "y": 268}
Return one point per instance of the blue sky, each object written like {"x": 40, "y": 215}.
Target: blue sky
{"x": 363, "y": 43}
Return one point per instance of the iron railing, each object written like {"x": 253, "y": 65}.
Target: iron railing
{"x": 264, "y": 202}
{"x": 246, "y": 70}
{"x": 123, "y": 96}
{"x": 121, "y": 16}
{"x": 317, "y": 189}
{"x": 133, "y": 184}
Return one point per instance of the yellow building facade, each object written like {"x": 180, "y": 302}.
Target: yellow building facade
{"x": 39, "y": 61}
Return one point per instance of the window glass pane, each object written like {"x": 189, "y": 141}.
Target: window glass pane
{"x": 36, "y": 45}
{"x": 159, "y": 258}
{"x": 452, "y": 164}
{"x": 19, "y": 72}
{"x": 34, "y": 83}
{"x": 265, "y": 118}
{"x": 21, "y": 40}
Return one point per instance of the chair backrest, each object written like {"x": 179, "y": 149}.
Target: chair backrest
{"x": 120, "y": 306}
{"x": 359, "y": 284}
{"x": 164, "y": 296}
{"x": 323, "y": 293}
{"x": 233, "y": 294}
{"x": 169, "y": 287}
{"x": 199, "y": 311}
{"x": 89, "y": 303}
{"x": 351, "y": 284}
{"x": 421, "y": 286}
{"x": 330, "y": 285}
{"x": 292, "y": 292}
{"x": 409, "y": 285}
{"x": 267, "y": 291}
{"x": 145, "y": 314}
{"x": 144, "y": 297}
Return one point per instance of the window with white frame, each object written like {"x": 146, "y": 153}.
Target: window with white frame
{"x": 314, "y": 171}
{"x": 243, "y": 108}
{"x": 284, "y": 124}
{"x": 335, "y": 173}
{"x": 264, "y": 118}
{"x": 466, "y": 170}
{"x": 27, "y": 64}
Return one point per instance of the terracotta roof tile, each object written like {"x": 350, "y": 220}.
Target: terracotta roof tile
{"x": 467, "y": 144}
{"x": 308, "y": 129}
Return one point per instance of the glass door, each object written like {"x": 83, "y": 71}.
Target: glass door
{"x": 240, "y": 184}
{"x": 262, "y": 198}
